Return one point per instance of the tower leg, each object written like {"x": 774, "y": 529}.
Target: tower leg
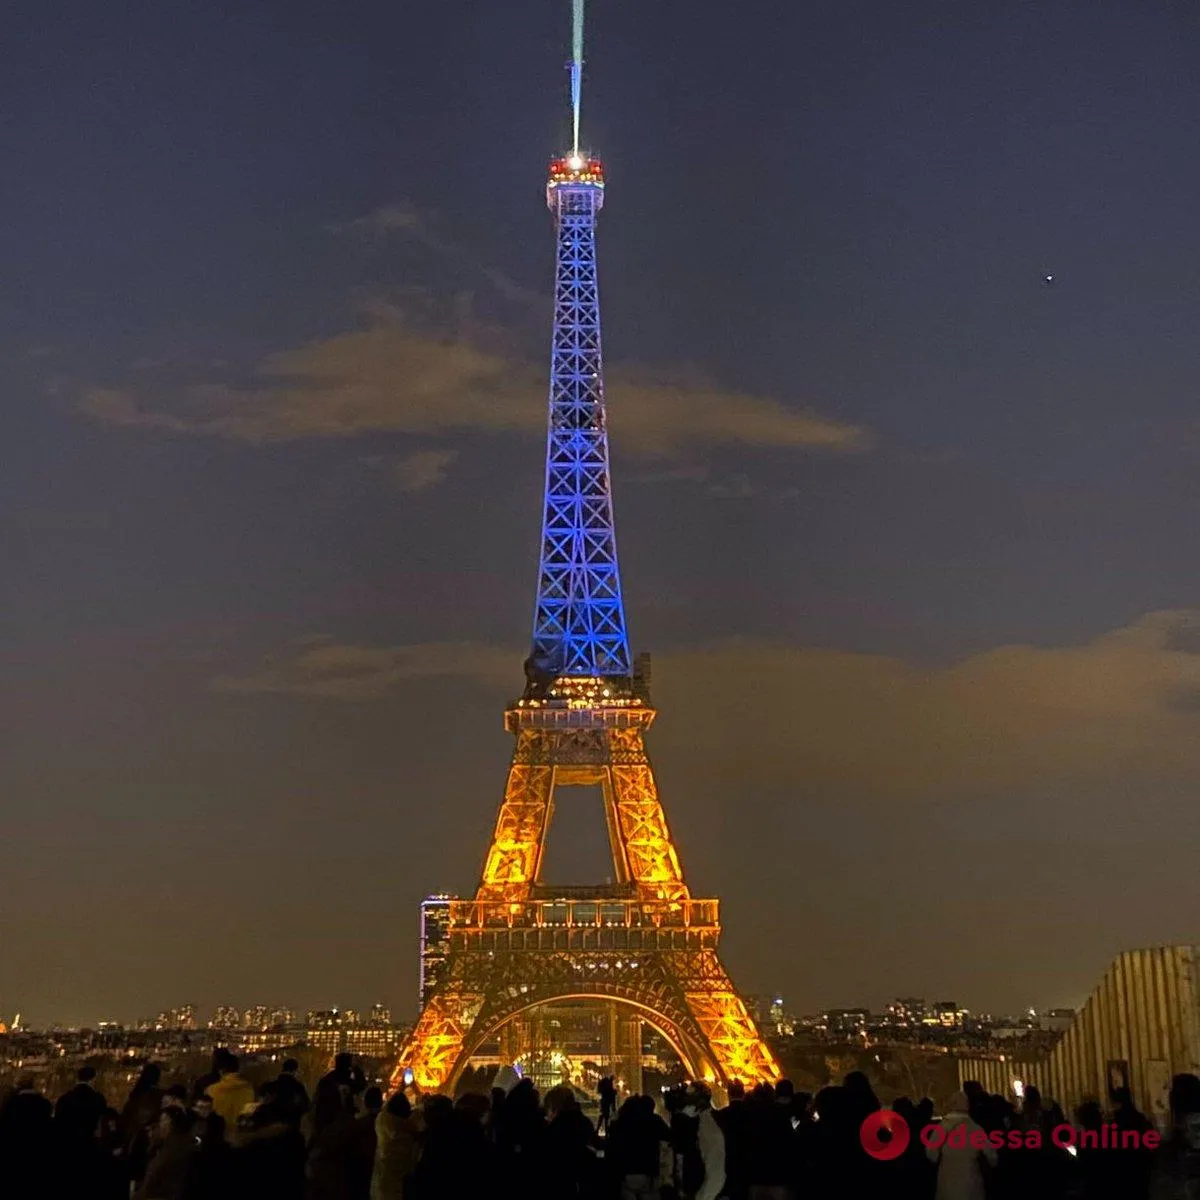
{"x": 436, "y": 1044}
{"x": 644, "y": 837}
{"x": 725, "y": 1023}
{"x": 515, "y": 855}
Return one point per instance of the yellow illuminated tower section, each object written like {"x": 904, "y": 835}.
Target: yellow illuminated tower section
{"x": 643, "y": 941}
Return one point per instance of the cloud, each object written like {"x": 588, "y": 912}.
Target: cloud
{"x": 401, "y": 216}
{"x": 1006, "y": 718}
{"x": 1185, "y": 635}
{"x": 422, "y": 469}
{"x": 320, "y": 667}
{"x": 1121, "y": 707}
{"x": 735, "y": 487}
{"x": 394, "y": 376}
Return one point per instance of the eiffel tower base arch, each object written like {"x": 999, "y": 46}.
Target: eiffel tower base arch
{"x": 643, "y": 941}
{"x": 456, "y": 1023}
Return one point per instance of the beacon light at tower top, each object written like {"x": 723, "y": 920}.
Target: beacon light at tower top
{"x": 575, "y": 170}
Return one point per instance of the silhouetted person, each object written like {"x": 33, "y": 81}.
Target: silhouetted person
{"x": 1176, "y": 1172}
{"x": 767, "y": 1160}
{"x": 231, "y": 1095}
{"x": 1038, "y": 1174}
{"x": 170, "y": 1157}
{"x": 25, "y": 1139}
{"x": 912, "y": 1174}
{"x": 959, "y": 1167}
{"x": 860, "y": 1096}
{"x": 331, "y": 1147}
{"x": 1092, "y": 1164}
{"x": 203, "y": 1115}
{"x": 336, "y": 1091}
{"x": 361, "y": 1151}
{"x": 569, "y": 1161}
{"x": 210, "y": 1174}
{"x": 457, "y": 1162}
{"x": 518, "y": 1130}
{"x": 836, "y": 1163}
{"x": 1131, "y": 1168}
{"x": 290, "y": 1092}
{"x": 144, "y": 1102}
{"x": 633, "y": 1149}
{"x": 205, "y": 1081}
{"x": 77, "y": 1114}
{"x": 734, "y": 1120}
{"x": 79, "y": 1110}
{"x": 977, "y": 1101}
{"x": 108, "y": 1168}
{"x": 396, "y": 1149}
{"x": 145, "y": 1139}
{"x": 607, "y": 1092}
{"x": 702, "y": 1172}
{"x": 269, "y": 1157}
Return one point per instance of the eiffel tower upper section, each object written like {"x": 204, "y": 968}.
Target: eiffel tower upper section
{"x": 579, "y": 618}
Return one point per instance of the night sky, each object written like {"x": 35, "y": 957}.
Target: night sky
{"x": 909, "y": 530}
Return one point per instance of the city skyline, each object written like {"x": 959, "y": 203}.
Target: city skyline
{"x": 902, "y": 398}
{"x": 238, "y": 1016}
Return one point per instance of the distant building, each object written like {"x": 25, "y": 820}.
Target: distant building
{"x": 183, "y": 1017}
{"x": 324, "y": 1029}
{"x": 256, "y": 1017}
{"x": 1007, "y": 1030}
{"x": 1057, "y": 1020}
{"x": 258, "y": 1041}
{"x": 333, "y": 1031}
{"x": 771, "y": 1015}
{"x": 947, "y": 1015}
{"x": 779, "y": 1021}
{"x": 371, "y": 1041}
{"x": 907, "y": 1012}
{"x": 226, "y": 1016}
{"x": 380, "y": 1015}
{"x": 435, "y": 943}
{"x": 850, "y": 1022}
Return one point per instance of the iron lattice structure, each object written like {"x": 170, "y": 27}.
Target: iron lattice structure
{"x": 579, "y": 620}
{"x": 643, "y": 941}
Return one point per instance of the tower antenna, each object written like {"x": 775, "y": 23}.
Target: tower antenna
{"x": 576, "y": 70}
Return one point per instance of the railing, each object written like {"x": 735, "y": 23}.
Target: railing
{"x": 530, "y": 716}
{"x": 584, "y": 891}
{"x": 584, "y": 914}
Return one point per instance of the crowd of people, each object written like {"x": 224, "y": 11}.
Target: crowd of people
{"x": 222, "y": 1139}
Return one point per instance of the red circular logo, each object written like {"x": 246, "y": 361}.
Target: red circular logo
{"x": 872, "y": 1134}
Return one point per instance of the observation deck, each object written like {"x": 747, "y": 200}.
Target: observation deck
{"x": 584, "y": 702}
{"x": 572, "y": 172}
{"x": 600, "y": 922}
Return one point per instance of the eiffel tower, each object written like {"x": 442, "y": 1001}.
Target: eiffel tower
{"x": 644, "y": 942}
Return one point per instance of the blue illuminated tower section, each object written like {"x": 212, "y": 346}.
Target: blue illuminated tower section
{"x": 579, "y": 619}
